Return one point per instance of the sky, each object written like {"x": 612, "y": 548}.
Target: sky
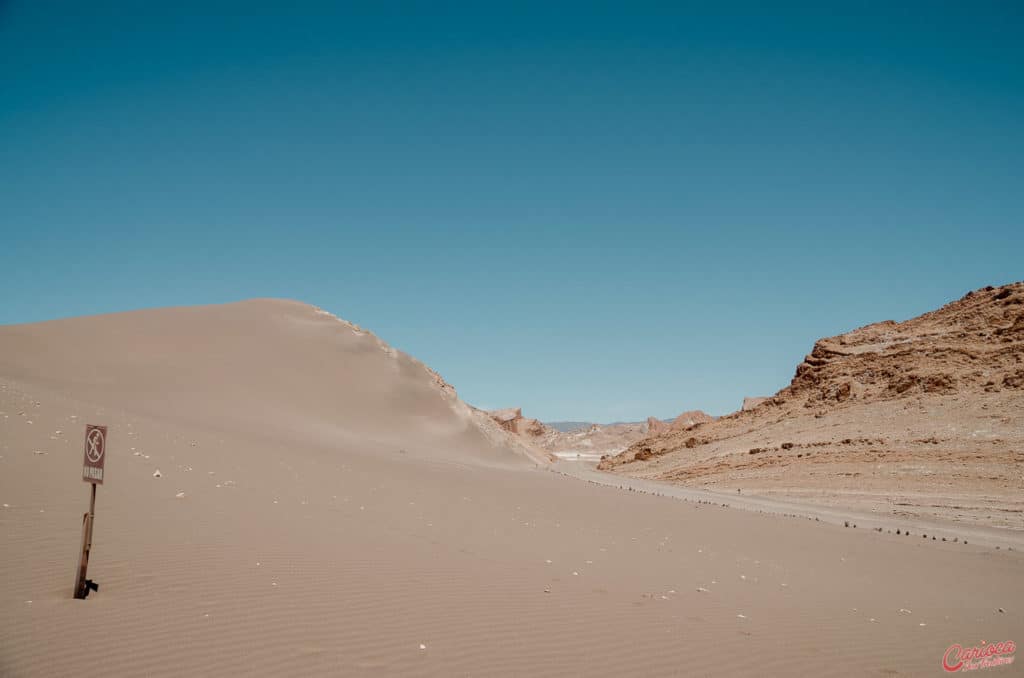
{"x": 595, "y": 211}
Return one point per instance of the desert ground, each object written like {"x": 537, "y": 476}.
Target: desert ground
{"x": 286, "y": 495}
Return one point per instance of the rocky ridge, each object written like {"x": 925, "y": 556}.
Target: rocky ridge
{"x": 928, "y": 410}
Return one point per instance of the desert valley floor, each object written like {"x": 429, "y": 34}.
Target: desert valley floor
{"x": 289, "y": 532}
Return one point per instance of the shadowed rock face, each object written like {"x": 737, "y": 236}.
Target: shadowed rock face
{"x": 930, "y": 394}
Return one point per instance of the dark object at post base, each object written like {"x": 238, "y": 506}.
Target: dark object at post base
{"x": 90, "y": 585}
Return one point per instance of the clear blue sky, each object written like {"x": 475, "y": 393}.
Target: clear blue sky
{"x": 594, "y": 211}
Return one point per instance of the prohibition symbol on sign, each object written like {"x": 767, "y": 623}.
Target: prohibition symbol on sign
{"x": 94, "y": 441}
{"x": 95, "y": 453}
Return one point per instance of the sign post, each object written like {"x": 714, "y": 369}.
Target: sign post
{"x": 92, "y": 473}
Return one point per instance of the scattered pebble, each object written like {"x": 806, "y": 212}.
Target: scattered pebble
{"x": 741, "y": 616}
{"x": 180, "y": 495}
{"x": 157, "y": 474}
{"x": 701, "y": 589}
{"x": 904, "y": 610}
{"x": 422, "y": 646}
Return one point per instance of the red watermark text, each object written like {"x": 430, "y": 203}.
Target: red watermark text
{"x": 982, "y": 656}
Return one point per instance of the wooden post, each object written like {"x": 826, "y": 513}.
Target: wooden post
{"x": 81, "y": 585}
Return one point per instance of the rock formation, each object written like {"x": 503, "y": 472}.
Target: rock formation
{"x": 684, "y": 421}
{"x": 512, "y": 420}
{"x": 929, "y": 407}
{"x": 751, "y": 403}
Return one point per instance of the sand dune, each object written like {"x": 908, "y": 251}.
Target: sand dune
{"x": 341, "y": 513}
{"x": 280, "y": 370}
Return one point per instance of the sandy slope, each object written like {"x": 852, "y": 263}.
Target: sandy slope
{"x": 308, "y": 542}
{"x": 279, "y": 369}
